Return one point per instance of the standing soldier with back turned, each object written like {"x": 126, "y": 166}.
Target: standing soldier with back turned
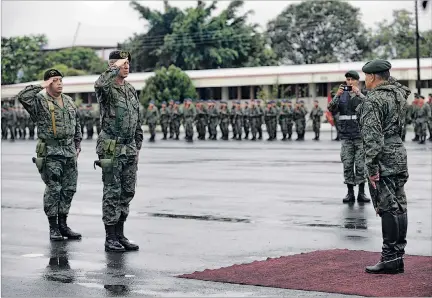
{"x": 352, "y": 153}
{"x": 58, "y": 147}
{"x": 118, "y": 147}
{"x": 381, "y": 119}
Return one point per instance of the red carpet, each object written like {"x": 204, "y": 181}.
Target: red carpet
{"x": 332, "y": 271}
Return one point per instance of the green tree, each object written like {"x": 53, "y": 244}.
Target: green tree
{"x": 80, "y": 58}
{"x": 194, "y": 39}
{"x": 201, "y": 41}
{"x": 168, "y": 83}
{"x": 145, "y": 48}
{"x": 22, "y": 58}
{"x": 318, "y": 32}
{"x": 64, "y": 69}
{"x": 396, "y": 39}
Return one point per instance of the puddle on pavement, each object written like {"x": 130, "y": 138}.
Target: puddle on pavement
{"x": 200, "y": 217}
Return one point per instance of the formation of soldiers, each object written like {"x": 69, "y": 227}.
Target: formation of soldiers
{"x": 419, "y": 114}
{"x": 245, "y": 119}
{"x": 15, "y": 121}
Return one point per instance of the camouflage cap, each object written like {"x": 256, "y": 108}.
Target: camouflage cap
{"x": 352, "y": 74}
{"x": 376, "y": 66}
{"x": 177, "y": 102}
{"x": 164, "y": 102}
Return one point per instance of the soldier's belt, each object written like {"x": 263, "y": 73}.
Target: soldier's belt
{"x": 57, "y": 142}
{"x": 347, "y": 117}
{"x": 124, "y": 141}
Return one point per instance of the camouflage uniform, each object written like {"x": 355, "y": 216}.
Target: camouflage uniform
{"x": 381, "y": 119}
{"x": 316, "y": 115}
{"x": 176, "y": 117}
{"x": 164, "y": 119}
{"x": 423, "y": 115}
{"x": 118, "y": 146}
{"x": 246, "y": 120}
{"x": 188, "y": 118}
{"x": 224, "y": 115}
{"x": 59, "y": 140}
{"x": 151, "y": 119}
{"x": 213, "y": 114}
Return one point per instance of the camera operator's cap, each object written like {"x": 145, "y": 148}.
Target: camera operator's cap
{"x": 376, "y": 66}
{"x": 52, "y": 73}
{"x": 120, "y": 55}
{"x": 352, "y": 74}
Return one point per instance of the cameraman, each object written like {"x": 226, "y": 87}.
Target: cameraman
{"x": 346, "y": 100}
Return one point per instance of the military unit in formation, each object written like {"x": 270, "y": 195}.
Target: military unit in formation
{"x": 245, "y": 120}
{"x": 16, "y": 121}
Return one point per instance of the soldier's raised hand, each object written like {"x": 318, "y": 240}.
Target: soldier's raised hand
{"x": 46, "y": 83}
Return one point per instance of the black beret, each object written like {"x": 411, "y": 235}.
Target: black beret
{"x": 52, "y": 73}
{"x": 352, "y": 74}
{"x": 422, "y": 97}
{"x": 376, "y": 66}
{"x": 120, "y": 55}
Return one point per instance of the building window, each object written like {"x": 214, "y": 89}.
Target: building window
{"x": 321, "y": 90}
{"x": 245, "y": 92}
{"x": 287, "y": 91}
{"x": 216, "y": 93}
{"x": 425, "y": 84}
{"x": 232, "y": 92}
{"x": 302, "y": 90}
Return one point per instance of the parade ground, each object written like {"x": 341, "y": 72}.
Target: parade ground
{"x": 201, "y": 205}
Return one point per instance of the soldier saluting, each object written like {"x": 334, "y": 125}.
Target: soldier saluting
{"x": 58, "y": 147}
{"x": 118, "y": 147}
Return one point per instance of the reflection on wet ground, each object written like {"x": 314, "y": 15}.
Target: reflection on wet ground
{"x": 196, "y": 207}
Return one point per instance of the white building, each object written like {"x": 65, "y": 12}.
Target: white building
{"x": 305, "y": 82}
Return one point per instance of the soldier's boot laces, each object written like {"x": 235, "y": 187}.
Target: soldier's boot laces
{"x": 389, "y": 263}
{"x": 122, "y": 239}
{"x": 65, "y": 230}
{"x": 54, "y": 229}
{"x": 361, "y": 197}
{"x": 350, "y": 197}
{"x": 111, "y": 241}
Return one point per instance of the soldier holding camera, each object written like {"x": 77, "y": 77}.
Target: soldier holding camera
{"x": 346, "y": 100}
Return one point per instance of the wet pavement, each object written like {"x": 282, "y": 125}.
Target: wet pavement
{"x": 198, "y": 206}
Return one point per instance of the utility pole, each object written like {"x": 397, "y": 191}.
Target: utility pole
{"x": 417, "y": 49}
{"x": 76, "y": 34}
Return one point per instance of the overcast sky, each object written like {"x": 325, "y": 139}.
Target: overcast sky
{"x": 109, "y": 22}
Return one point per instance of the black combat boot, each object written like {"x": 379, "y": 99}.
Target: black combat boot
{"x": 389, "y": 263}
{"x": 122, "y": 238}
{"x": 422, "y": 139}
{"x": 317, "y": 138}
{"x": 111, "y": 241}
{"x": 416, "y": 138}
{"x": 284, "y": 135}
{"x": 350, "y": 197}
{"x": 65, "y": 230}
{"x": 164, "y": 137}
{"x": 177, "y": 137}
{"x": 289, "y": 136}
{"x": 361, "y": 197}
{"x": 401, "y": 242}
{"x": 54, "y": 229}
{"x": 247, "y": 136}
